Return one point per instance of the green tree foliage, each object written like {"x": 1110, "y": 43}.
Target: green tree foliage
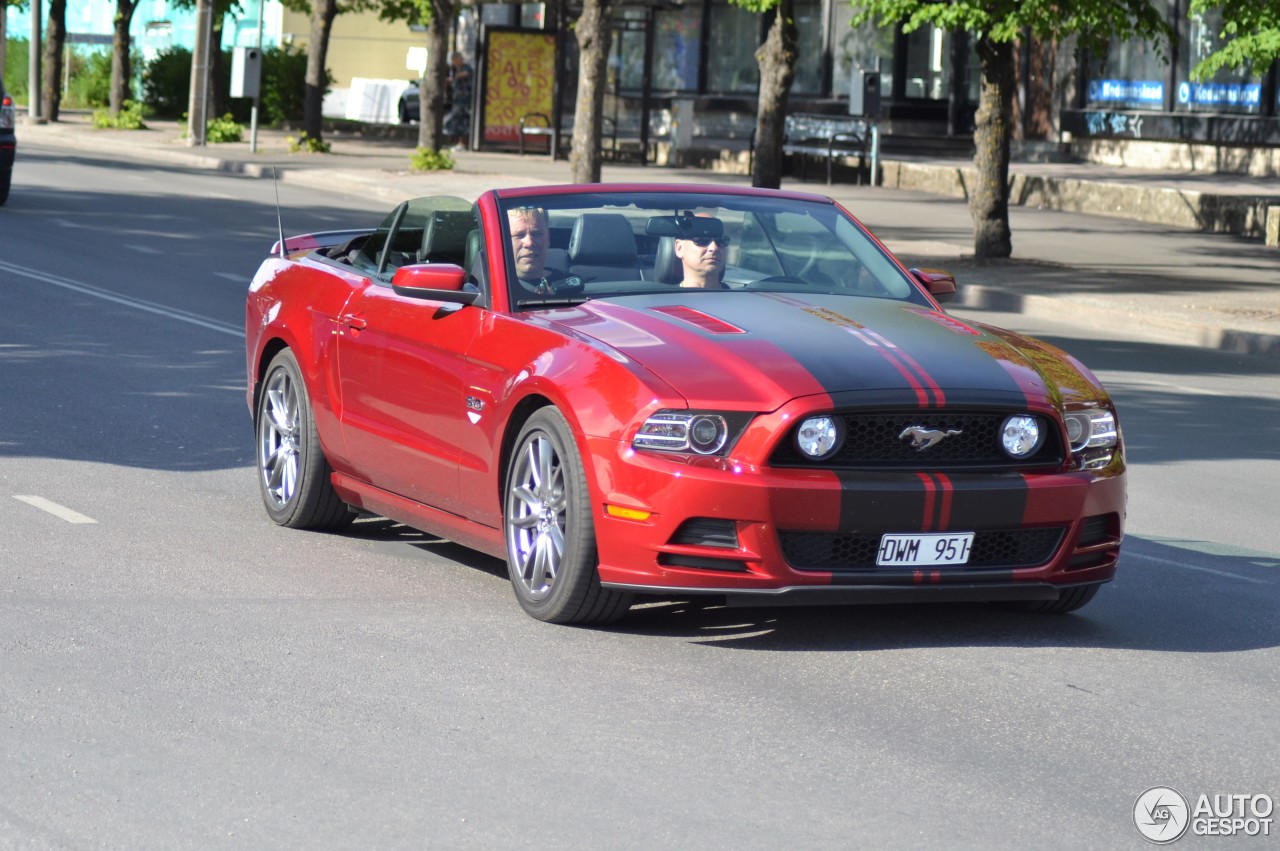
{"x": 90, "y": 78}
{"x": 166, "y": 85}
{"x": 995, "y": 25}
{"x": 1252, "y": 31}
{"x": 88, "y": 72}
{"x": 15, "y": 69}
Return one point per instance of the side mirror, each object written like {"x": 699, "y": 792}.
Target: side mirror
{"x": 434, "y": 282}
{"x": 939, "y": 284}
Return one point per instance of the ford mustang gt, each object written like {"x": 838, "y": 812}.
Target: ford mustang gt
{"x": 628, "y": 390}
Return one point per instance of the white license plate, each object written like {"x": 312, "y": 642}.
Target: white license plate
{"x": 924, "y": 550}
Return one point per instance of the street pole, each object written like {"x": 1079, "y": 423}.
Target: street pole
{"x": 198, "y": 103}
{"x": 257, "y": 96}
{"x": 34, "y": 53}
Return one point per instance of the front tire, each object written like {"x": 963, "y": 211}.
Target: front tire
{"x": 293, "y": 474}
{"x": 550, "y": 534}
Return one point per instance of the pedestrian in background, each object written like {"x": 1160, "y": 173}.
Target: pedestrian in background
{"x": 457, "y": 122}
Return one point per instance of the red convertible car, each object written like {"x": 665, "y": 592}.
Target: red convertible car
{"x": 641, "y": 389}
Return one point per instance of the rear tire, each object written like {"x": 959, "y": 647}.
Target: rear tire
{"x": 1068, "y": 601}
{"x": 550, "y": 534}
{"x": 293, "y": 474}
{"x": 5, "y": 180}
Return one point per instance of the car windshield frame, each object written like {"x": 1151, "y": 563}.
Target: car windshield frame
{"x": 777, "y": 243}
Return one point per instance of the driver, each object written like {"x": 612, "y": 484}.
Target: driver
{"x": 530, "y": 238}
{"x": 703, "y": 258}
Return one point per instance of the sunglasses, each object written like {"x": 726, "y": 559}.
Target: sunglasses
{"x": 704, "y": 241}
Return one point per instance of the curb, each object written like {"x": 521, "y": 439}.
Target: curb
{"x": 1175, "y": 332}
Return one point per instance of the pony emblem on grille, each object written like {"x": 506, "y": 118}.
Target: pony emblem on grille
{"x": 924, "y": 438}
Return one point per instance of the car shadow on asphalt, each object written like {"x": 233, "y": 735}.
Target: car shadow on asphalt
{"x": 1176, "y": 596}
{"x": 1165, "y": 598}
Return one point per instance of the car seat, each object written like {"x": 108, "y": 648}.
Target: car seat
{"x": 603, "y": 247}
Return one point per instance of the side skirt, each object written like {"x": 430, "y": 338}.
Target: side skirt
{"x": 460, "y": 530}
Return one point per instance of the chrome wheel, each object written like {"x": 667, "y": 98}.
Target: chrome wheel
{"x": 293, "y": 474}
{"x": 279, "y": 439}
{"x": 550, "y": 534}
{"x": 536, "y": 527}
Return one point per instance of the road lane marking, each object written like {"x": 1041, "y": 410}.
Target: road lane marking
{"x": 232, "y": 277}
{"x": 143, "y": 249}
{"x": 1171, "y": 563}
{"x": 127, "y": 301}
{"x": 59, "y": 511}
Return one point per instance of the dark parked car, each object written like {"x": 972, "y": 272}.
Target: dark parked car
{"x": 8, "y": 142}
{"x": 409, "y": 108}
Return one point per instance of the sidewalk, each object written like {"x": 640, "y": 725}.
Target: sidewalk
{"x": 1178, "y": 285}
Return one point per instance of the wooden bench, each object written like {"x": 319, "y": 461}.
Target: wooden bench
{"x": 830, "y": 137}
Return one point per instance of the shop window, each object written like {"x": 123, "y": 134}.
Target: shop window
{"x": 928, "y": 63}
{"x": 1228, "y": 90}
{"x": 678, "y": 39}
{"x": 1131, "y": 76}
{"x": 808, "y": 73}
{"x": 861, "y": 48}
{"x": 626, "y": 60}
{"x": 731, "y": 66}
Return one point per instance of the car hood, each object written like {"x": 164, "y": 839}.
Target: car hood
{"x": 758, "y": 350}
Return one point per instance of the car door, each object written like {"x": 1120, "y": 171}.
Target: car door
{"x": 401, "y": 375}
{"x": 402, "y": 369}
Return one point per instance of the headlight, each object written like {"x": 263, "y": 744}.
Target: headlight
{"x": 702, "y": 432}
{"x": 1093, "y": 436}
{"x": 1021, "y": 435}
{"x": 819, "y": 437}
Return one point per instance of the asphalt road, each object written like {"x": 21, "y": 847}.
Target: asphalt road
{"x": 176, "y": 672}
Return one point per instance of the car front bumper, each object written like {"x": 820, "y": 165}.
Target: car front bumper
{"x": 780, "y": 536}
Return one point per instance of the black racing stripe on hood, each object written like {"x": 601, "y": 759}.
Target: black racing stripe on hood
{"x": 894, "y": 344}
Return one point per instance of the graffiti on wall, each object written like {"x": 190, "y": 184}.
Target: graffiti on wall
{"x": 1113, "y": 124}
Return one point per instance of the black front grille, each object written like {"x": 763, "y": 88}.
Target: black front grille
{"x": 972, "y": 440}
{"x": 838, "y": 551}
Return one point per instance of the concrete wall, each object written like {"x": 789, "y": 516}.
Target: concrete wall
{"x": 1180, "y": 156}
{"x": 360, "y": 45}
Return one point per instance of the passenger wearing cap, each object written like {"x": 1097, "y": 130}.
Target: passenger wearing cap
{"x": 703, "y": 254}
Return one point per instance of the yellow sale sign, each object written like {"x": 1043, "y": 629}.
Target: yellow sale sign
{"x": 519, "y": 79}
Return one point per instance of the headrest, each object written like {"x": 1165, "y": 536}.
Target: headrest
{"x": 444, "y": 238}
{"x": 667, "y": 268}
{"x": 603, "y": 239}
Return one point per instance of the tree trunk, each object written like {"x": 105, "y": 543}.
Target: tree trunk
{"x": 777, "y": 60}
{"x": 217, "y": 103}
{"x": 989, "y": 199}
{"x": 55, "y": 35}
{"x": 121, "y": 73}
{"x": 585, "y": 160}
{"x": 1040, "y": 85}
{"x": 431, "y": 91}
{"x": 322, "y": 15}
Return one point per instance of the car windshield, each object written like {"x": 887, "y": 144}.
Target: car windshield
{"x": 607, "y": 244}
